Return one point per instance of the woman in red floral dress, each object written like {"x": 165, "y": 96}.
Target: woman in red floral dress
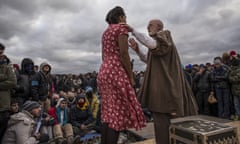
{"x": 120, "y": 109}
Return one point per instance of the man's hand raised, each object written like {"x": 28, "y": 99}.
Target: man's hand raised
{"x": 133, "y": 44}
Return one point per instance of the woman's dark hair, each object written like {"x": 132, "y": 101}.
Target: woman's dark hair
{"x": 108, "y": 17}
{"x": 114, "y": 14}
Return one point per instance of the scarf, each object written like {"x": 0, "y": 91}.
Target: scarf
{"x": 84, "y": 107}
{"x": 63, "y": 120}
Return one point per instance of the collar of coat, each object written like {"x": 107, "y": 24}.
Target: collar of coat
{"x": 84, "y": 107}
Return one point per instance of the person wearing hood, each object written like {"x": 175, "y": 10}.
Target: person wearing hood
{"x": 22, "y": 125}
{"x": 81, "y": 116}
{"x": 93, "y": 101}
{"x": 23, "y": 89}
{"x": 41, "y": 85}
{"x": 62, "y": 129}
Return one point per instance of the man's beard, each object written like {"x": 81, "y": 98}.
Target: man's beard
{"x": 151, "y": 34}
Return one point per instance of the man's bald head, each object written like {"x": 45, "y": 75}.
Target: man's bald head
{"x": 154, "y": 26}
{"x": 158, "y": 22}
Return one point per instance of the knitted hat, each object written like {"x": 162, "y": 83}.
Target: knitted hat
{"x": 88, "y": 89}
{"x": 232, "y": 53}
{"x": 30, "y": 105}
{"x": 189, "y": 66}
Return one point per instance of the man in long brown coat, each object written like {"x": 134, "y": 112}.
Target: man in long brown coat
{"x": 165, "y": 91}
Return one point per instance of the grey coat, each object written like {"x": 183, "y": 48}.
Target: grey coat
{"x": 20, "y": 129}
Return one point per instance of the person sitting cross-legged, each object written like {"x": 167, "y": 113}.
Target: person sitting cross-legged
{"x": 22, "y": 127}
{"x": 62, "y": 130}
{"x": 81, "y": 116}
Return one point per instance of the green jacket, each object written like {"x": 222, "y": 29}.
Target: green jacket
{"x": 7, "y": 82}
{"x": 234, "y": 79}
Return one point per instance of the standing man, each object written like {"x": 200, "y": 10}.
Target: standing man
{"x": 165, "y": 91}
{"x": 221, "y": 87}
{"x": 204, "y": 86}
{"x": 8, "y": 81}
{"x": 23, "y": 91}
{"x": 41, "y": 85}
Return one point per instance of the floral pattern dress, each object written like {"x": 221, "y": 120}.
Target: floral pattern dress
{"x": 120, "y": 107}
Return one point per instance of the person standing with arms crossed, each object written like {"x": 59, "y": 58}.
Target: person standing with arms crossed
{"x": 120, "y": 109}
{"x": 165, "y": 91}
{"x": 8, "y": 81}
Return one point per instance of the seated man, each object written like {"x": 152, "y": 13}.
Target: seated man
{"x": 22, "y": 126}
{"x": 81, "y": 116}
{"x": 71, "y": 99}
{"x": 62, "y": 130}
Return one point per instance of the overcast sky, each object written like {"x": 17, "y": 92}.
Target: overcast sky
{"x": 67, "y": 33}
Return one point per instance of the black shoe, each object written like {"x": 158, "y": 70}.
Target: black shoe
{"x": 62, "y": 141}
{"x": 76, "y": 140}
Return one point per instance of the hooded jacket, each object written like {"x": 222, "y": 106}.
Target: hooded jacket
{"x": 81, "y": 116}
{"x": 24, "y": 79}
{"x": 41, "y": 84}
{"x": 55, "y": 113}
{"x": 20, "y": 129}
{"x": 93, "y": 103}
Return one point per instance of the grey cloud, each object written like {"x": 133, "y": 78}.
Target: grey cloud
{"x": 67, "y": 34}
{"x": 21, "y": 6}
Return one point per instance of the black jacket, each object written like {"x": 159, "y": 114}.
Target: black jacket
{"x": 24, "y": 78}
{"x": 220, "y": 77}
{"x": 41, "y": 84}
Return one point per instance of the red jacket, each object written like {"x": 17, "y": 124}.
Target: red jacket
{"x": 52, "y": 112}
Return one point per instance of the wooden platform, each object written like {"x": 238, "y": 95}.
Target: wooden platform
{"x": 148, "y": 131}
{"x": 149, "y": 141}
